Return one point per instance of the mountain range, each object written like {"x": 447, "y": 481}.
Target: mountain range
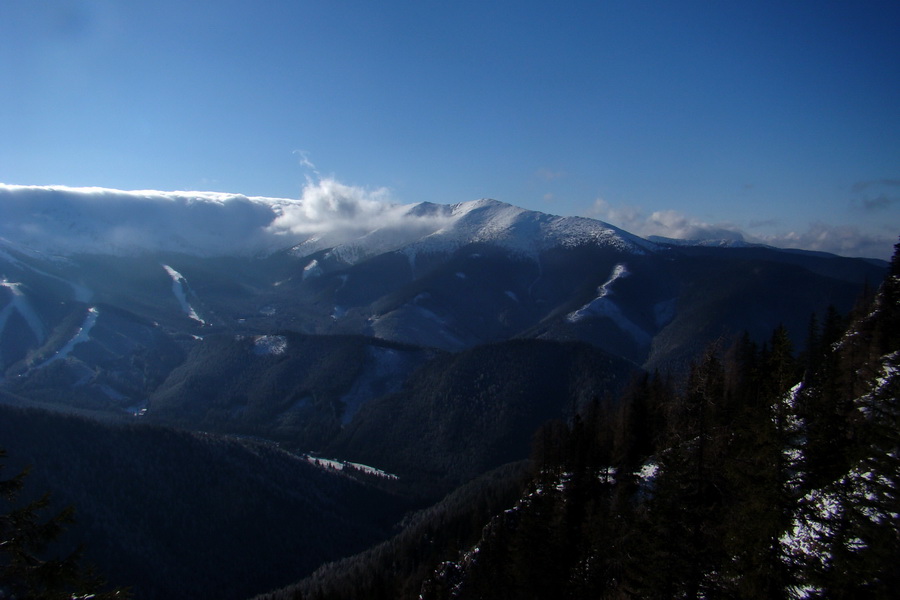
{"x": 426, "y": 341}
{"x": 444, "y": 277}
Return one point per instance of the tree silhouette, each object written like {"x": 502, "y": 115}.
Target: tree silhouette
{"x": 25, "y": 571}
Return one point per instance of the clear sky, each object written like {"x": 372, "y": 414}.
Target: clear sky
{"x": 779, "y": 120}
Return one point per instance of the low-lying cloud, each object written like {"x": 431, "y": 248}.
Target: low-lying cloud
{"x": 65, "y": 220}
{"x": 90, "y": 220}
{"x": 663, "y": 223}
{"x": 845, "y": 240}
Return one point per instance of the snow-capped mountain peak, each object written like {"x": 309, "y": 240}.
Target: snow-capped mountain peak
{"x": 428, "y": 227}
{"x": 524, "y": 231}
{"x": 68, "y": 221}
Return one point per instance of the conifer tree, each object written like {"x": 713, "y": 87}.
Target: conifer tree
{"x": 846, "y": 535}
{"x": 756, "y": 471}
{"x": 683, "y": 517}
{"x": 25, "y": 571}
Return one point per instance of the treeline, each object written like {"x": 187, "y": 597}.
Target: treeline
{"x": 765, "y": 475}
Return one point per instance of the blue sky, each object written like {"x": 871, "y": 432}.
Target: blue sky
{"x": 778, "y": 121}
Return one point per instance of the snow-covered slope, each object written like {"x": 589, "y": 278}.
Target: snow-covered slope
{"x": 445, "y": 228}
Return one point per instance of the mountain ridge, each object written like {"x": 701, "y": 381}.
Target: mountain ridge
{"x": 67, "y": 221}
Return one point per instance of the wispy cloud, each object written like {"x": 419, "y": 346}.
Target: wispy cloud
{"x": 304, "y": 160}
{"x": 876, "y": 194}
{"x": 861, "y": 186}
{"x": 549, "y": 174}
{"x": 879, "y": 202}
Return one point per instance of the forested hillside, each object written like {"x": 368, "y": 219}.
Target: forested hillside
{"x": 766, "y": 473}
{"x": 769, "y": 475}
{"x": 182, "y": 515}
{"x": 466, "y": 413}
{"x": 397, "y": 567}
{"x": 288, "y": 387}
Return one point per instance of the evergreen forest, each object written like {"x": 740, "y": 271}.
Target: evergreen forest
{"x": 765, "y": 473}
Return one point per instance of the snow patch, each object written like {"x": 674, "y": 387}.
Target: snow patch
{"x": 178, "y": 288}
{"x": 311, "y": 270}
{"x": 340, "y": 465}
{"x": 603, "y": 306}
{"x": 82, "y": 335}
{"x": 648, "y": 471}
{"x": 269, "y": 345}
{"x": 594, "y": 306}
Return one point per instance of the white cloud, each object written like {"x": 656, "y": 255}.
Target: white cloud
{"x": 303, "y": 159}
{"x": 328, "y": 205}
{"x": 663, "y": 223}
{"x": 65, "y": 220}
{"x": 330, "y": 213}
{"x": 845, "y": 240}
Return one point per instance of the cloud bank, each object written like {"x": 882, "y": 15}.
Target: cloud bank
{"x": 845, "y": 240}
{"x": 64, "y": 220}
{"x": 664, "y": 223}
